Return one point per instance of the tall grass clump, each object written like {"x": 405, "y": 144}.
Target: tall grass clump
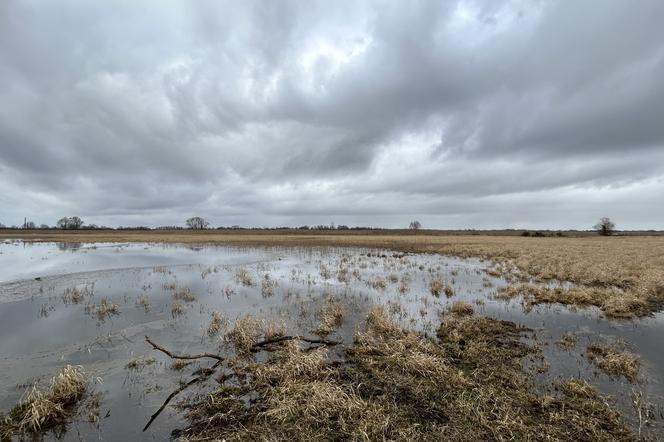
{"x": 43, "y": 409}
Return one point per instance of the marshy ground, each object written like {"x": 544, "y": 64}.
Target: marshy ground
{"x": 365, "y": 337}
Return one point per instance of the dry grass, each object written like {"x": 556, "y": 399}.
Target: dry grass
{"x": 184, "y": 294}
{"x": 461, "y": 308}
{"x": 614, "y": 302}
{"x": 42, "y": 410}
{"x": 267, "y": 285}
{"x": 330, "y": 316}
{"x": 393, "y": 384}
{"x": 244, "y": 333}
{"x": 72, "y": 295}
{"x": 143, "y": 301}
{"x": 436, "y": 286}
{"x": 137, "y": 364}
{"x": 177, "y": 309}
{"x": 179, "y": 364}
{"x": 567, "y": 341}
{"x": 627, "y": 270}
{"x": 614, "y": 360}
{"x": 105, "y": 309}
{"x": 217, "y": 321}
{"x": 242, "y": 276}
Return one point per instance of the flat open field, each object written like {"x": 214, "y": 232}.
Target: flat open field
{"x": 290, "y": 335}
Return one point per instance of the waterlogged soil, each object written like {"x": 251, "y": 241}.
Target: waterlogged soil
{"x": 42, "y": 330}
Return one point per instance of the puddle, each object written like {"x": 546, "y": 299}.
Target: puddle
{"x": 42, "y": 330}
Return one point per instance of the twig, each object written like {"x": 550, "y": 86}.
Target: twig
{"x": 186, "y": 357}
{"x": 179, "y": 390}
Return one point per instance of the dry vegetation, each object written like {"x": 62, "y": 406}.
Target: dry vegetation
{"x": 622, "y": 275}
{"x": 184, "y": 294}
{"x": 217, "y": 321}
{"x": 461, "y": 308}
{"x": 330, "y": 316}
{"x": 43, "y": 410}
{"x": 393, "y": 384}
{"x": 614, "y": 360}
{"x": 73, "y": 295}
{"x": 244, "y": 334}
{"x": 105, "y": 309}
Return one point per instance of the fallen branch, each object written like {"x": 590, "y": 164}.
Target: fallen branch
{"x": 179, "y": 390}
{"x": 258, "y": 345}
{"x": 185, "y": 357}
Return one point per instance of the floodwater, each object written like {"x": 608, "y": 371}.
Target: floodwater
{"x": 41, "y": 330}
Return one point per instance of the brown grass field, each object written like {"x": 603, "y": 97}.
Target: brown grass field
{"x": 623, "y": 275}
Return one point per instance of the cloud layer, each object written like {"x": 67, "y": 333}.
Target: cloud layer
{"x": 460, "y": 114}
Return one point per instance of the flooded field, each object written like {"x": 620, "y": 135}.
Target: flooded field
{"x": 93, "y": 305}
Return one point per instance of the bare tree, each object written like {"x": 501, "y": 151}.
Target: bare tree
{"x": 415, "y": 225}
{"x": 73, "y": 222}
{"x": 29, "y": 225}
{"x": 605, "y": 226}
{"x": 197, "y": 223}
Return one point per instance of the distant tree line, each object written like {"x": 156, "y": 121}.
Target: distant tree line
{"x": 604, "y": 227}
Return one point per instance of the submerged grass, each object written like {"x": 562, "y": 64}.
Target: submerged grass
{"x": 469, "y": 384}
{"x": 44, "y": 409}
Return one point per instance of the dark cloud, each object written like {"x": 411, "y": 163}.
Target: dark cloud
{"x": 463, "y": 114}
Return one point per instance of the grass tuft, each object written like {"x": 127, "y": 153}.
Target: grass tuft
{"x": 42, "y": 410}
{"x": 330, "y": 316}
{"x": 461, "y": 308}
{"x": 614, "y": 360}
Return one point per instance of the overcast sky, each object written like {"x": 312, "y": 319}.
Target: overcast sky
{"x": 463, "y": 114}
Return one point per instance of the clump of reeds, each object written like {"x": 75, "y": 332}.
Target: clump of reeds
{"x": 103, "y": 310}
{"x": 72, "y": 295}
{"x": 461, "y": 308}
{"x": 143, "y": 301}
{"x": 177, "y": 309}
{"x": 330, "y": 316}
{"x": 343, "y": 275}
{"x": 436, "y": 285}
{"x": 184, "y": 294}
{"x": 614, "y": 360}
{"x": 377, "y": 283}
{"x": 244, "y": 334}
{"x": 325, "y": 272}
{"x": 136, "y": 364}
{"x": 179, "y": 364}
{"x": 567, "y": 341}
{"x": 267, "y": 285}
{"x": 43, "y": 409}
{"x": 242, "y": 276}
{"x": 216, "y": 323}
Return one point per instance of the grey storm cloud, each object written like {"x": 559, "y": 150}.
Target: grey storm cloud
{"x": 459, "y": 113}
